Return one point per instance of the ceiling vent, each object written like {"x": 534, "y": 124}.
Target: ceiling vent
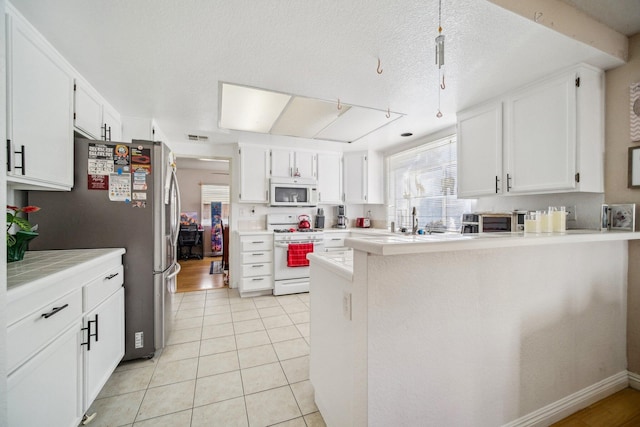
{"x": 197, "y": 137}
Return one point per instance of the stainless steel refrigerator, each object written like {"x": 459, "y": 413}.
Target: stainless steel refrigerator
{"x": 124, "y": 195}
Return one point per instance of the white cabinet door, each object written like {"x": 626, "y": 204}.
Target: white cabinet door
{"x": 112, "y": 123}
{"x": 541, "y": 136}
{"x": 330, "y": 178}
{"x": 287, "y": 163}
{"x": 46, "y": 390}
{"x": 355, "y": 169}
{"x": 304, "y": 164}
{"x": 88, "y": 110}
{"x": 105, "y": 345}
{"x": 254, "y": 179}
{"x": 281, "y": 163}
{"x": 39, "y": 110}
{"x": 363, "y": 177}
{"x": 480, "y": 151}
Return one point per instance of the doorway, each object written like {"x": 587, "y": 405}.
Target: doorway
{"x": 204, "y": 191}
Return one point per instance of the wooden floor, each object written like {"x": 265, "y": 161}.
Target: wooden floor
{"x": 194, "y": 275}
{"x": 620, "y": 409}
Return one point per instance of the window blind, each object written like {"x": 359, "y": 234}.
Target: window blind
{"x": 425, "y": 178}
{"x": 214, "y": 193}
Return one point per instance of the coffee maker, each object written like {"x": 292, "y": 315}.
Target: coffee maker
{"x": 342, "y": 219}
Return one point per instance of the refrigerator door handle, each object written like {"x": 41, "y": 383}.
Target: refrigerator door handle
{"x": 177, "y": 209}
{"x": 177, "y": 268}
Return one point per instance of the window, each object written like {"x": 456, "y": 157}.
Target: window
{"x": 214, "y": 193}
{"x": 425, "y": 178}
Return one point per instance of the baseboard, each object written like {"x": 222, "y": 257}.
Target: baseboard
{"x": 634, "y": 380}
{"x": 581, "y": 399}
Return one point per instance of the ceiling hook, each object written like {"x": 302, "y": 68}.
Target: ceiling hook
{"x": 442, "y": 85}
{"x": 388, "y": 115}
{"x": 339, "y": 105}
{"x": 379, "y": 70}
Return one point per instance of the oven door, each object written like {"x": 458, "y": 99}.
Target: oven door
{"x": 281, "y": 271}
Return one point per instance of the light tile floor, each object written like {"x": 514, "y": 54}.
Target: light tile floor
{"x": 229, "y": 361}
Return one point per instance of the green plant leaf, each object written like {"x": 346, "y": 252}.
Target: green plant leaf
{"x": 11, "y": 240}
{"x": 22, "y": 223}
{"x": 10, "y": 217}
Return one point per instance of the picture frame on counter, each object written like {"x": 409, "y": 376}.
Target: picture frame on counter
{"x": 618, "y": 217}
{"x": 622, "y": 217}
{"x": 634, "y": 167}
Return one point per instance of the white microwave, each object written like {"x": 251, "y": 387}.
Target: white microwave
{"x": 293, "y": 192}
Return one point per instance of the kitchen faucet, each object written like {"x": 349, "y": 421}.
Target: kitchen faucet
{"x": 414, "y": 220}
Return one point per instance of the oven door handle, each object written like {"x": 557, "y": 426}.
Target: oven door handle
{"x": 286, "y": 245}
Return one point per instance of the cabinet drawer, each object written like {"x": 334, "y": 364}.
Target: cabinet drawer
{"x": 250, "y": 284}
{"x": 35, "y": 331}
{"x": 334, "y": 240}
{"x": 254, "y": 257}
{"x": 102, "y": 287}
{"x": 256, "y": 243}
{"x": 261, "y": 269}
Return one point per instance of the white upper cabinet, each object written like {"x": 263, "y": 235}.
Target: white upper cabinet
{"x": 553, "y": 141}
{"x": 541, "y": 137}
{"x": 39, "y": 110}
{"x": 87, "y": 115}
{"x": 287, "y": 163}
{"x": 254, "y": 173}
{"x": 112, "y": 123}
{"x": 330, "y": 178}
{"x": 93, "y": 116}
{"x": 363, "y": 177}
{"x": 480, "y": 151}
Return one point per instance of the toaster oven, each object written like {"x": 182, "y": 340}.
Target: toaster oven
{"x": 490, "y": 222}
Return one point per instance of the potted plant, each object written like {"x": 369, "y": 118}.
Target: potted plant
{"x": 17, "y": 242}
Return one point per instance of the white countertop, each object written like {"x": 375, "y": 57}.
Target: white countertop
{"x": 340, "y": 262}
{"x": 40, "y": 266}
{"x": 398, "y": 244}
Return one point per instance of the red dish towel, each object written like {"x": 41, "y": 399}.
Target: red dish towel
{"x": 297, "y": 254}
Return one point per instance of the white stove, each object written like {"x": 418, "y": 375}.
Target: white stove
{"x": 289, "y": 279}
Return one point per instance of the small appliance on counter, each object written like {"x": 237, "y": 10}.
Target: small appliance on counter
{"x": 342, "y": 218}
{"x": 319, "y": 219}
{"x": 363, "y": 222}
{"x": 492, "y": 222}
{"x": 303, "y": 223}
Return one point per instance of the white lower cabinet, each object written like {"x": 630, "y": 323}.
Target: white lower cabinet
{"x": 65, "y": 336}
{"x": 256, "y": 255}
{"x": 105, "y": 347}
{"x": 46, "y": 390}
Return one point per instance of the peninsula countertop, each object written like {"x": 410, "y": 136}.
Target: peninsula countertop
{"x": 399, "y": 244}
{"x": 37, "y": 267}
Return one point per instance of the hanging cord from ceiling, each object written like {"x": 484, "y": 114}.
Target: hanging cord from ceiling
{"x": 440, "y": 57}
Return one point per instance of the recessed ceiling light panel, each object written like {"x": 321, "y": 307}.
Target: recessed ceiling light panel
{"x": 250, "y": 109}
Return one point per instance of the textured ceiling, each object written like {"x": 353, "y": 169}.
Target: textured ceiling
{"x": 164, "y": 58}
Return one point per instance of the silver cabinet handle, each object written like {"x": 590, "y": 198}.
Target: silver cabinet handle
{"x": 257, "y": 279}
{"x": 257, "y": 265}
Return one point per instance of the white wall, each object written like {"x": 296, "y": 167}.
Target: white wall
{"x": 515, "y": 330}
{"x": 3, "y": 248}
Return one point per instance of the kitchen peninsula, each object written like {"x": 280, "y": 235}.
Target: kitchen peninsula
{"x": 468, "y": 330}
